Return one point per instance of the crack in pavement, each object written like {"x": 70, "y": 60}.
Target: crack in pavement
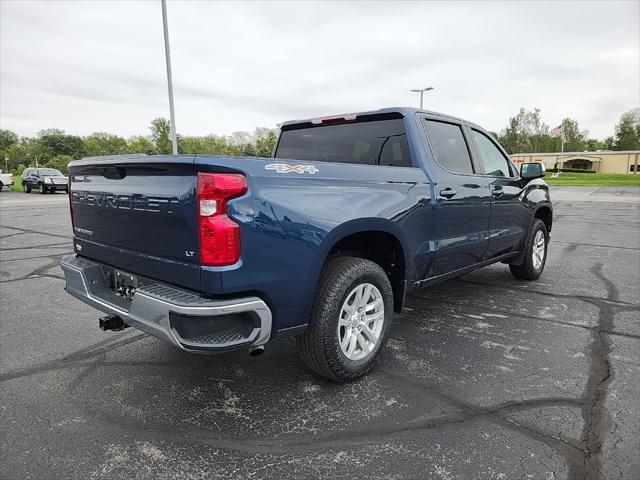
{"x": 511, "y": 313}
{"x": 600, "y": 372}
{"x": 41, "y": 271}
{"x": 364, "y": 432}
{"x": 573, "y": 246}
{"x": 4, "y": 260}
{"x": 585, "y": 298}
{"x": 11, "y": 235}
{"x": 35, "y": 246}
{"x": 73, "y": 359}
{"x": 600, "y": 375}
{"x": 28, "y": 230}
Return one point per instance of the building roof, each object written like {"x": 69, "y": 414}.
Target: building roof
{"x": 597, "y": 152}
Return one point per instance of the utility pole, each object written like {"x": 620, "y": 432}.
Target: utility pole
{"x": 421, "y": 90}
{"x": 174, "y": 143}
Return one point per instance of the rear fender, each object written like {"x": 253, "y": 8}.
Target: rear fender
{"x": 343, "y": 231}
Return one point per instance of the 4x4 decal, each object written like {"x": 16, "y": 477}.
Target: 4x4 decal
{"x": 286, "y": 168}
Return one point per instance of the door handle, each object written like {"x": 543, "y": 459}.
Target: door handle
{"x": 497, "y": 191}
{"x": 448, "y": 192}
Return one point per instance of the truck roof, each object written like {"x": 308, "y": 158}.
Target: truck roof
{"x": 404, "y": 111}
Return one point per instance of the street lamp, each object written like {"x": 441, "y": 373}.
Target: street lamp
{"x": 174, "y": 144}
{"x": 421, "y": 90}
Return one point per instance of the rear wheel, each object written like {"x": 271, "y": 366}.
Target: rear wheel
{"x": 350, "y": 321}
{"x": 535, "y": 255}
{"x": 26, "y": 188}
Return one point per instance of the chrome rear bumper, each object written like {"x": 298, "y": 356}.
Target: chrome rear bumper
{"x": 188, "y": 321}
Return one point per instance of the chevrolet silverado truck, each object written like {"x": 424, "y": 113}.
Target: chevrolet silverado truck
{"x": 322, "y": 241}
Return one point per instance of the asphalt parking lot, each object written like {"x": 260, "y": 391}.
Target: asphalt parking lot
{"x": 485, "y": 377}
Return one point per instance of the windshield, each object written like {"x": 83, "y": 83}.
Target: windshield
{"x": 377, "y": 142}
{"x": 50, "y": 172}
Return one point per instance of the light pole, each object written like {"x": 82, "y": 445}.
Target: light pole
{"x": 421, "y": 90}
{"x": 174, "y": 143}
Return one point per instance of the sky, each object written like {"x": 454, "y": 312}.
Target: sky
{"x": 86, "y": 66}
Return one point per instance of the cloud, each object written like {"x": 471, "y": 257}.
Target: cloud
{"x": 99, "y": 65}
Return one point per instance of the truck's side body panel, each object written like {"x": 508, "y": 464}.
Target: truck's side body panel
{"x": 290, "y": 221}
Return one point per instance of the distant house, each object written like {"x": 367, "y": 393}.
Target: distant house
{"x": 602, "y": 162}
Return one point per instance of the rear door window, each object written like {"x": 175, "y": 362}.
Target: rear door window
{"x": 374, "y": 142}
{"x": 449, "y": 147}
{"x": 494, "y": 162}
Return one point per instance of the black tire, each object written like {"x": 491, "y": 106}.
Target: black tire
{"x": 528, "y": 270}
{"x": 1, "y": 186}
{"x": 26, "y": 188}
{"x": 319, "y": 345}
{"x": 41, "y": 188}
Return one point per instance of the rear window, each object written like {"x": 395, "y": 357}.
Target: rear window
{"x": 375, "y": 142}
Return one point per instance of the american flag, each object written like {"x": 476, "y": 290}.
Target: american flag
{"x": 556, "y": 132}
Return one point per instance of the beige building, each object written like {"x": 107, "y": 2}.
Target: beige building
{"x": 602, "y": 162}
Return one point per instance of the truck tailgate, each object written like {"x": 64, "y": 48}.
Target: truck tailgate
{"x": 138, "y": 214}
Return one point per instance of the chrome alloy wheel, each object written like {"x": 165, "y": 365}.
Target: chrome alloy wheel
{"x": 538, "y": 249}
{"x": 361, "y": 321}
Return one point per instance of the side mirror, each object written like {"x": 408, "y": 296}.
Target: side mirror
{"x": 529, "y": 171}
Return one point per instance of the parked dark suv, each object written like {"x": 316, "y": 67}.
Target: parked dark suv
{"x": 44, "y": 180}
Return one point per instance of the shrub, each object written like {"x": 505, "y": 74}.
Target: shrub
{"x": 571, "y": 170}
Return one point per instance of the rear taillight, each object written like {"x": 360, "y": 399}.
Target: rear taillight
{"x": 219, "y": 236}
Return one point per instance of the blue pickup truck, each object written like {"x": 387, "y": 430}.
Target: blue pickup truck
{"x": 322, "y": 241}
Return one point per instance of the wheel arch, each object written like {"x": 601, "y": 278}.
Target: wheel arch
{"x": 376, "y": 239}
{"x": 544, "y": 212}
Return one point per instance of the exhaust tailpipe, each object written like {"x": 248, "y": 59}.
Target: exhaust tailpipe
{"x": 255, "y": 351}
{"x": 111, "y": 322}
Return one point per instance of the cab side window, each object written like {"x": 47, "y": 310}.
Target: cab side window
{"x": 494, "y": 162}
{"x": 449, "y": 147}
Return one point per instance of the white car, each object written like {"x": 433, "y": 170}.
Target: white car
{"x": 6, "y": 179}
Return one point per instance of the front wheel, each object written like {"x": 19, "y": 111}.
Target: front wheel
{"x": 26, "y": 188}
{"x": 350, "y": 321}
{"x": 41, "y": 188}
{"x": 535, "y": 255}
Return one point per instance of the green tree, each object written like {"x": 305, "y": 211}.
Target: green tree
{"x": 591, "y": 145}
{"x": 7, "y": 139}
{"x": 101, "y": 143}
{"x": 161, "y": 135}
{"x": 265, "y": 141}
{"x": 140, "y": 144}
{"x": 575, "y": 139}
{"x": 628, "y": 131}
{"x": 608, "y": 143}
{"x": 54, "y": 142}
{"x": 21, "y": 167}
{"x": 60, "y": 162}
{"x": 526, "y": 132}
